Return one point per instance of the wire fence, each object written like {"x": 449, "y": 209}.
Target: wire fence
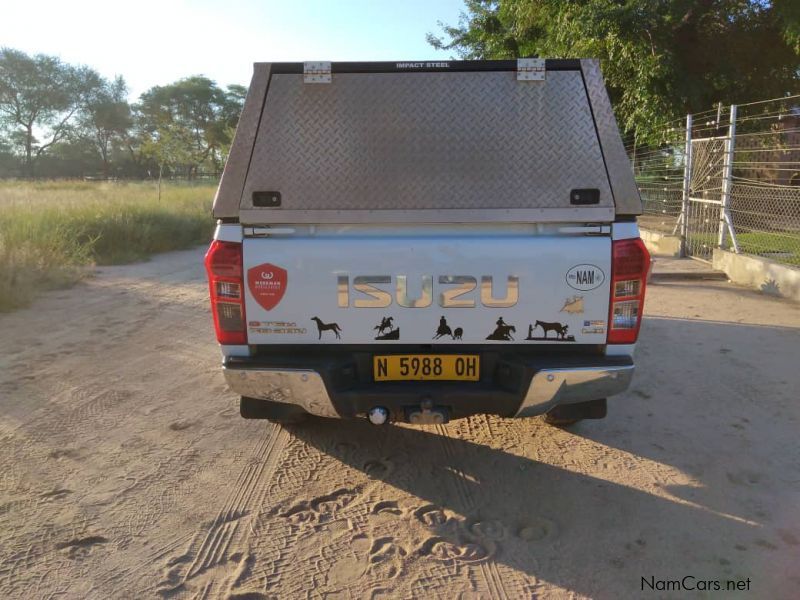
{"x": 726, "y": 178}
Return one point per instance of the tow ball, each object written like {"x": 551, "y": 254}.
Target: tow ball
{"x": 378, "y": 415}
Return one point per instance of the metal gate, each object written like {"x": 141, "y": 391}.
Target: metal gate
{"x": 705, "y": 216}
{"x": 705, "y": 196}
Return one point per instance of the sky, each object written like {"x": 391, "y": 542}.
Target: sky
{"x": 155, "y": 42}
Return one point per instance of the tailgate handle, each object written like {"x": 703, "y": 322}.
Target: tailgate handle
{"x": 266, "y": 199}
{"x": 584, "y": 196}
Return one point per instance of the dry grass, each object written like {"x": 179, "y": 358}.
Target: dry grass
{"x": 51, "y": 231}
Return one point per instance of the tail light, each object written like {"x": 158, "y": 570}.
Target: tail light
{"x": 629, "y": 267}
{"x": 226, "y": 283}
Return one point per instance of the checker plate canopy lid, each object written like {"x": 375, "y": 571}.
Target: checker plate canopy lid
{"x": 434, "y": 146}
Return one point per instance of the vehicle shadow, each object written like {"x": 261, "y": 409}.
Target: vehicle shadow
{"x": 722, "y": 410}
{"x": 579, "y": 532}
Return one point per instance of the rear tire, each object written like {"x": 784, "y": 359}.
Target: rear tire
{"x": 556, "y": 422}
{"x": 275, "y": 412}
{"x": 569, "y": 414}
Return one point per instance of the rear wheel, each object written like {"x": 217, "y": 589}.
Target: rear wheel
{"x": 276, "y": 412}
{"x": 569, "y": 414}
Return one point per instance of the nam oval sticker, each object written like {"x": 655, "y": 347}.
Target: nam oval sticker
{"x": 267, "y": 283}
{"x": 585, "y": 277}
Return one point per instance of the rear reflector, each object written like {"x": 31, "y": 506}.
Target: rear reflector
{"x": 629, "y": 267}
{"x": 224, "y": 268}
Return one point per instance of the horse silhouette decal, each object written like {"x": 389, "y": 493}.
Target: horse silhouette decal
{"x": 502, "y": 332}
{"x": 327, "y": 327}
{"x": 546, "y": 326}
{"x": 444, "y": 329}
{"x": 387, "y": 323}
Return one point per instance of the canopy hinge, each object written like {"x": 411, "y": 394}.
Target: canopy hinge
{"x": 530, "y": 69}
{"x": 317, "y": 72}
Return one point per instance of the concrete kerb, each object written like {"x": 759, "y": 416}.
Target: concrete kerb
{"x": 770, "y": 277}
{"x": 767, "y": 276}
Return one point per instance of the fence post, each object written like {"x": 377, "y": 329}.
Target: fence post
{"x": 683, "y": 219}
{"x": 725, "y": 220}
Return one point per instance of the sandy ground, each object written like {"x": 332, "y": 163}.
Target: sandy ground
{"x": 126, "y": 472}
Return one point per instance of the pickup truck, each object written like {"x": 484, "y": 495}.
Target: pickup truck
{"x": 421, "y": 241}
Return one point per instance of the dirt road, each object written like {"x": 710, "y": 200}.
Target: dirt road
{"x": 126, "y": 472}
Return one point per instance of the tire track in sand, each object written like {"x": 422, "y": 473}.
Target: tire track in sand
{"x": 491, "y": 576}
{"x": 211, "y": 546}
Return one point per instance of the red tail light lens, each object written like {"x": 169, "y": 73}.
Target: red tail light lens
{"x": 629, "y": 267}
{"x": 224, "y": 268}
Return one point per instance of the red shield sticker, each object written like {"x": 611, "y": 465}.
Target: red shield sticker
{"x": 267, "y": 283}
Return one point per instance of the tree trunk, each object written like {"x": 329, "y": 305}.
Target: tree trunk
{"x": 28, "y": 167}
{"x": 160, "y": 172}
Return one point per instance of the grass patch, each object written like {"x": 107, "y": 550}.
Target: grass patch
{"x": 50, "y": 232}
{"x": 780, "y": 247}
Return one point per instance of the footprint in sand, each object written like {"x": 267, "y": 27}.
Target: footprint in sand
{"x": 56, "y": 494}
{"x": 333, "y": 502}
{"x": 386, "y": 507}
{"x": 430, "y": 515}
{"x": 491, "y": 529}
{"x": 377, "y": 469}
{"x": 81, "y": 547}
{"x": 537, "y": 529}
{"x": 181, "y": 424}
{"x": 442, "y": 549}
{"x": 386, "y": 558}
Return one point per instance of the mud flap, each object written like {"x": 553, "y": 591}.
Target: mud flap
{"x": 569, "y": 413}
{"x": 277, "y": 412}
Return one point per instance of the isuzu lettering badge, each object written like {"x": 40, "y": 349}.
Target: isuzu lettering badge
{"x": 454, "y": 291}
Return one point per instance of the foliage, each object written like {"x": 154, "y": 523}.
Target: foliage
{"x": 661, "y": 58}
{"x": 61, "y": 119}
{"x": 106, "y": 117}
{"x": 51, "y": 232}
{"x": 38, "y": 97}
{"x": 188, "y": 122}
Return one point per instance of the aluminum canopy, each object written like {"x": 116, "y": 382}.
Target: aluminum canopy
{"x": 433, "y": 142}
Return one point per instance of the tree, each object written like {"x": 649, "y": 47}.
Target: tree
{"x": 39, "y": 97}
{"x": 193, "y": 111}
{"x": 168, "y": 146}
{"x": 660, "y": 59}
{"x": 229, "y": 119}
{"x": 105, "y": 117}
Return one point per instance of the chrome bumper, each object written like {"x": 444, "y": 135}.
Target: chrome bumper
{"x": 548, "y": 388}
{"x": 551, "y": 387}
{"x": 302, "y": 387}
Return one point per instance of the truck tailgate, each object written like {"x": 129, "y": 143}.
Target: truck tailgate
{"x": 409, "y": 289}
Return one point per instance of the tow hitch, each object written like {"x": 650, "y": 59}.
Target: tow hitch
{"x": 427, "y": 414}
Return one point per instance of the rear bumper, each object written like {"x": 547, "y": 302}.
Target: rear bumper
{"x": 339, "y": 383}
{"x": 550, "y": 387}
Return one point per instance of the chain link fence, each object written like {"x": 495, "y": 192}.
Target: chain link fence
{"x": 727, "y": 178}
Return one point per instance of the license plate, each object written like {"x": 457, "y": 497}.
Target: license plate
{"x": 426, "y": 367}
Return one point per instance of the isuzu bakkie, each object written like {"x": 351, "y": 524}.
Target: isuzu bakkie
{"x": 422, "y": 241}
